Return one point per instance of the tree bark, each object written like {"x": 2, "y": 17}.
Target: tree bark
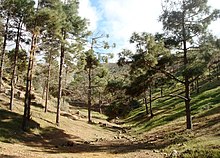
{"x": 89, "y": 96}
{"x": 197, "y": 86}
{"x": 3, "y": 51}
{"x": 14, "y": 71}
{"x": 146, "y": 106}
{"x": 27, "y": 100}
{"x": 60, "y": 80}
{"x": 150, "y": 95}
{"x": 186, "y": 77}
{"x": 31, "y": 76}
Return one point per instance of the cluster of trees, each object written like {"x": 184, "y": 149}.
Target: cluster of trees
{"x": 50, "y": 27}
{"x": 181, "y": 55}
{"x": 52, "y": 33}
{"x": 52, "y": 30}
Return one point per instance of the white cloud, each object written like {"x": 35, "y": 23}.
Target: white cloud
{"x": 86, "y": 10}
{"x": 120, "y": 18}
{"x": 215, "y": 25}
{"x": 123, "y": 17}
{"x": 126, "y": 16}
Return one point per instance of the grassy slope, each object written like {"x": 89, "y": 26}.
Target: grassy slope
{"x": 167, "y": 127}
{"x": 165, "y": 131}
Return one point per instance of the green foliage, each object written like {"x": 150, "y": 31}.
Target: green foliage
{"x": 119, "y": 108}
{"x": 169, "y": 109}
{"x": 201, "y": 153}
{"x": 22, "y": 59}
{"x": 91, "y": 60}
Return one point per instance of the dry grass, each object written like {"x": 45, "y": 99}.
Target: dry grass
{"x": 73, "y": 138}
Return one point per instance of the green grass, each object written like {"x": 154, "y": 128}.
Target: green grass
{"x": 169, "y": 121}
{"x": 167, "y": 110}
{"x": 10, "y": 126}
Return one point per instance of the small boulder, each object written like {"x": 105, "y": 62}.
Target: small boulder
{"x": 174, "y": 153}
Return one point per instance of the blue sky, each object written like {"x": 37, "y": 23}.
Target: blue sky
{"x": 120, "y": 18}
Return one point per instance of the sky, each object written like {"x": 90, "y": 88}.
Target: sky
{"x": 120, "y": 18}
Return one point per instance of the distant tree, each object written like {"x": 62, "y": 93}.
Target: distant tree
{"x": 91, "y": 63}
{"x": 5, "y": 12}
{"x": 20, "y": 11}
{"x": 92, "y": 60}
{"x": 144, "y": 65}
{"x": 21, "y": 63}
{"x": 100, "y": 81}
{"x": 73, "y": 28}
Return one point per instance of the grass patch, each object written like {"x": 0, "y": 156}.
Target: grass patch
{"x": 201, "y": 153}
{"x": 10, "y": 126}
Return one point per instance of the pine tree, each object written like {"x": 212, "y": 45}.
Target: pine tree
{"x": 184, "y": 20}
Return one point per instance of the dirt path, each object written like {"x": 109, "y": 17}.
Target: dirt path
{"x": 75, "y": 138}
{"x": 80, "y": 140}
{"x": 98, "y": 150}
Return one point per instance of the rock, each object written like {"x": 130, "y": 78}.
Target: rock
{"x": 77, "y": 112}
{"x": 174, "y": 153}
{"x": 124, "y": 131}
{"x": 74, "y": 117}
{"x": 165, "y": 154}
{"x": 156, "y": 151}
{"x": 8, "y": 92}
{"x": 86, "y": 142}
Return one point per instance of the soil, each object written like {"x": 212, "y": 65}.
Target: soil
{"x": 74, "y": 138}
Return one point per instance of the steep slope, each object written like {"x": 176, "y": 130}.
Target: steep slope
{"x": 167, "y": 128}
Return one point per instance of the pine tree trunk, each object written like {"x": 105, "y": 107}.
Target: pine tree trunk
{"x": 150, "y": 95}
{"x": 89, "y": 96}
{"x": 197, "y": 86}
{"x": 48, "y": 83}
{"x": 146, "y": 106}
{"x": 27, "y": 100}
{"x": 60, "y": 84}
{"x": 14, "y": 69}
{"x": 30, "y": 83}
{"x": 3, "y": 52}
{"x": 186, "y": 78}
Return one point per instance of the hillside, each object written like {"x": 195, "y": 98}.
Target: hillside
{"x": 137, "y": 136}
{"x": 74, "y": 138}
{"x": 167, "y": 129}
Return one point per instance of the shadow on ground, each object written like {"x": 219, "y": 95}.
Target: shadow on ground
{"x": 55, "y": 140}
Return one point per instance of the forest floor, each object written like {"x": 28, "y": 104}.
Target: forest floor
{"x": 74, "y": 138}
{"x": 138, "y": 136}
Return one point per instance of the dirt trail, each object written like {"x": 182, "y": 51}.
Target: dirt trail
{"x": 75, "y": 138}
{"x": 89, "y": 141}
